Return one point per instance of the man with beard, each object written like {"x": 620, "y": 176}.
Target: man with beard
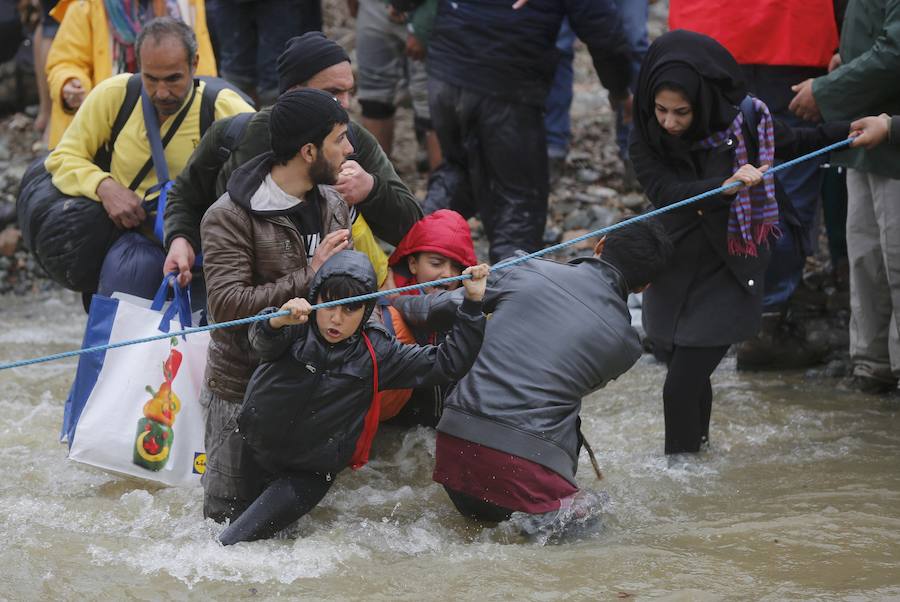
{"x": 119, "y": 172}
{"x": 279, "y": 220}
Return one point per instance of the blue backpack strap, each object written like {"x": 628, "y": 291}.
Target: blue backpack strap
{"x": 386, "y": 316}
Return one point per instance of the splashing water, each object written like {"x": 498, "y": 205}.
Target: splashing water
{"x": 798, "y": 497}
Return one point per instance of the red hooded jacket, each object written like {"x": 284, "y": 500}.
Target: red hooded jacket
{"x": 444, "y": 232}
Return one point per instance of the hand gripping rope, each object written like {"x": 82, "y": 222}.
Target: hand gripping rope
{"x": 499, "y": 266}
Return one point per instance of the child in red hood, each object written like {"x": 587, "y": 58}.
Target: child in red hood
{"x": 438, "y": 246}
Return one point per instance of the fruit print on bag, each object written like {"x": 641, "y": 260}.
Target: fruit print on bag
{"x": 155, "y": 435}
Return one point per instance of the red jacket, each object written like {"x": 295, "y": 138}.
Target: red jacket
{"x": 764, "y": 32}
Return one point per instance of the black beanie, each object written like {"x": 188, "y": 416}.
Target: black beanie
{"x": 306, "y": 55}
{"x": 302, "y": 116}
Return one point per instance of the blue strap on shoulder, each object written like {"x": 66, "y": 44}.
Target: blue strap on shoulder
{"x": 163, "y": 184}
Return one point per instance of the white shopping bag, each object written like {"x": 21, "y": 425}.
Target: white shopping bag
{"x": 135, "y": 409}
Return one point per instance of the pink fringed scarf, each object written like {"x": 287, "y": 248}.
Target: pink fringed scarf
{"x": 754, "y": 212}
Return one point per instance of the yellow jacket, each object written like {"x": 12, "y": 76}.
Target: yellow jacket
{"x": 83, "y": 49}
{"x": 71, "y": 163}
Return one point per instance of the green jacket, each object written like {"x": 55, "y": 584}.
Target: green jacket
{"x": 390, "y": 209}
{"x": 868, "y": 82}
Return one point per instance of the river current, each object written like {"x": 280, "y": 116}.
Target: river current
{"x": 798, "y": 498}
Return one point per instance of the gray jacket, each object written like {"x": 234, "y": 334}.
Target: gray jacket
{"x": 558, "y": 331}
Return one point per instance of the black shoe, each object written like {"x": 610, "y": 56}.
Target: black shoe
{"x": 778, "y": 346}
{"x": 868, "y": 385}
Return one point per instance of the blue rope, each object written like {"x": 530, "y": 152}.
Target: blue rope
{"x": 367, "y": 297}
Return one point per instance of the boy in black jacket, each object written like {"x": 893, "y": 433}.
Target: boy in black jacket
{"x": 312, "y": 406}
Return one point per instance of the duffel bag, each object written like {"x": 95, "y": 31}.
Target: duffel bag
{"x": 69, "y": 236}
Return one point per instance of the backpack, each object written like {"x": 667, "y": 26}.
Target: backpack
{"x": 70, "y": 236}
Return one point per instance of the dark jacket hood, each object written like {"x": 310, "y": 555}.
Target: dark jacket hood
{"x": 354, "y": 264}
{"x": 246, "y": 179}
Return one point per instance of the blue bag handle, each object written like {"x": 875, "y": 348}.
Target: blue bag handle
{"x": 181, "y": 304}
{"x": 163, "y": 183}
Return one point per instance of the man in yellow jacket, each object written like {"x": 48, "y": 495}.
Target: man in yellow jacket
{"x": 167, "y": 56}
{"x": 87, "y": 50}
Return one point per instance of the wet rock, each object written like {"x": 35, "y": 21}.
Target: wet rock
{"x": 601, "y": 216}
{"x": 583, "y": 198}
{"x": 9, "y": 241}
{"x": 587, "y": 175}
{"x": 14, "y": 173}
{"x": 587, "y": 244}
{"x": 577, "y": 157}
{"x": 633, "y": 201}
{"x": 563, "y": 207}
{"x": 602, "y": 193}
{"x": 577, "y": 220}
{"x": 552, "y": 235}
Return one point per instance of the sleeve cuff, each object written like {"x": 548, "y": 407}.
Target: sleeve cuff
{"x": 90, "y": 183}
{"x": 472, "y": 308}
{"x": 264, "y": 325}
{"x": 376, "y": 182}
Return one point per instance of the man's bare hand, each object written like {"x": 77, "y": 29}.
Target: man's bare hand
{"x": 804, "y": 103}
{"x": 746, "y": 175}
{"x": 519, "y": 4}
{"x": 476, "y": 286}
{"x": 180, "y": 259}
{"x": 122, "y": 205}
{"x": 395, "y": 15}
{"x": 835, "y": 62}
{"x": 354, "y": 183}
{"x": 73, "y": 94}
{"x": 869, "y": 132}
{"x": 334, "y": 242}
{"x": 414, "y": 48}
{"x": 300, "y": 310}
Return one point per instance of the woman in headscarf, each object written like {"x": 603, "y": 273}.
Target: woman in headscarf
{"x": 96, "y": 41}
{"x": 691, "y": 136}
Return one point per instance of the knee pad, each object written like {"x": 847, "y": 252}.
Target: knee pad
{"x": 375, "y": 109}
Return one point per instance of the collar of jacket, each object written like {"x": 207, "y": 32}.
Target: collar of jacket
{"x": 246, "y": 180}
{"x": 607, "y": 271}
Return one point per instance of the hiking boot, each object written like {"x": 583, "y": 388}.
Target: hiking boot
{"x": 779, "y": 345}
{"x": 868, "y": 385}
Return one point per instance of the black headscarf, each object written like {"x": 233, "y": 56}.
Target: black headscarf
{"x": 705, "y": 71}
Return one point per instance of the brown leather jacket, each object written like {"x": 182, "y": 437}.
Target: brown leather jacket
{"x": 253, "y": 260}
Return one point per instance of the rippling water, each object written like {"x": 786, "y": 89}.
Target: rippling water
{"x": 799, "y": 498}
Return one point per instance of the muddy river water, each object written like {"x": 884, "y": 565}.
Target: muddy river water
{"x": 798, "y": 498}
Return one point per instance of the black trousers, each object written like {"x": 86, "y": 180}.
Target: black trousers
{"x": 495, "y": 165}
{"x": 687, "y": 396}
{"x": 473, "y": 507}
{"x": 284, "y": 500}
